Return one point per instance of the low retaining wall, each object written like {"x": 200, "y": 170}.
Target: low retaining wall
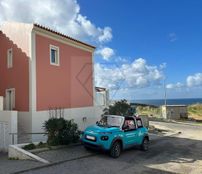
{"x": 16, "y": 152}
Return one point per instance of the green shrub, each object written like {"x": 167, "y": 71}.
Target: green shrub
{"x": 41, "y": 145}
{"x": 61, "y": 131}
{"x": 118, "y": 108}
{"x": 29, "y": 146}
{"x": 13, "y": 158}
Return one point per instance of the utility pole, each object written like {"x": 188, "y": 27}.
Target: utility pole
{"x": 165, "y": 93}
{"x": 165, "y": 98}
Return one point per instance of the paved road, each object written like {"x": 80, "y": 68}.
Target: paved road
{"x": 180, "y": 153}
{"x": 189, "y": 130}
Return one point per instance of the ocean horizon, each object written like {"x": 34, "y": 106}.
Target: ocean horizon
{"x": 159, "y": 102}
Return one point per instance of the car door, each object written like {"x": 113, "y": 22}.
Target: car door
{"x": 140, "y": 131}
{"x": 130, "y": 132}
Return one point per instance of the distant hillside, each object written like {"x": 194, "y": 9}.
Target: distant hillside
{"x": 143, "y": 105}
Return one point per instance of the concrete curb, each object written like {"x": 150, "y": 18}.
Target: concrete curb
{"x": 35, "y": 151}
{"x": 54, "y": 163}
{"x": 15, "y": 151}
{"x": 193, "y": 123}
{"x": 188, "y": 123}
{"x": 167, "y": 135}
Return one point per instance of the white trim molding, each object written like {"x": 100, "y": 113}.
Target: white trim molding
{"x": 10, "y": 58}
{"x": 93, "y": 80}
{"x": 57, "y": 56}
{"x": 12, "y": 90}
{"x": 32, "y": 73}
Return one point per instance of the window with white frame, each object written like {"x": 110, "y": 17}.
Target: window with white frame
{"x": 10, "y": 99}
{"x": 54, "y": 55}
{"x": 10, "y": 58}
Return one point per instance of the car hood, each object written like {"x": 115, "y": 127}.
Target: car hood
{"x": 99, "y": 129}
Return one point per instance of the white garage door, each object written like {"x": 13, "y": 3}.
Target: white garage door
{"x": 4, "y": 136}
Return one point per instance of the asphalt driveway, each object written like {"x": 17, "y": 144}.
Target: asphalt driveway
{"x": 177, "y": 153}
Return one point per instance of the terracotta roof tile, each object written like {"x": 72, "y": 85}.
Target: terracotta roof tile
{"x": 63, "y": 35}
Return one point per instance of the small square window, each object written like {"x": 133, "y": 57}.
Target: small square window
{"x": 54, "y": 55}
{"x": 9, "y": 58}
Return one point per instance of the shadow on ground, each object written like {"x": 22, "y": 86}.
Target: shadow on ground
{"x": 166, "y": 155}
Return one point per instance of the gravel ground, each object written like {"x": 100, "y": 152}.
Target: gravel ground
{"x": 65, "y": 154}
{"x": 10, "y": 166}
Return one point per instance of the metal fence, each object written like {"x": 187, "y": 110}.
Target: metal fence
{"x": 26, "y": 137}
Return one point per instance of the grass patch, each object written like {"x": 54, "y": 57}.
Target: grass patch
{"x": 149, "y": 110}
{"x": 30, "y": 146}
{"x": 13, "y": 158}
{"x": 195, "y": 111}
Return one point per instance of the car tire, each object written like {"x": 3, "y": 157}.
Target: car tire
{"x": 115, "y": 150}
{"x": 87, "y": 148}
{"x": 145, "y": 144}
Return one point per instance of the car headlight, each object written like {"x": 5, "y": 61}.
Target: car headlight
{"x": 104, "y": 138}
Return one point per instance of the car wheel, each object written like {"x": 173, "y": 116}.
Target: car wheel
{"x": 115, "y": 150}
{"x": 145, "y": 144}
{"x": 87, "y": 148}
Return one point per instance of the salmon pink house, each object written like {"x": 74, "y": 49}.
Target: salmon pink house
{"x": 44, "y": 73}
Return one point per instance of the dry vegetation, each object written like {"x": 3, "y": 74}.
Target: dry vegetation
{"x": 195, "y": 111}
{"x": 149, "y": 110}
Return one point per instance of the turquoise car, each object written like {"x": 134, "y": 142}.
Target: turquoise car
{"x": 115, "y": 133}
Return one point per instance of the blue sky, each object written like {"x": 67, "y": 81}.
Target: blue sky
{"x": 139, "y": 42}
{"x": 142, "y": 28}
{"x": 159, "y": 31}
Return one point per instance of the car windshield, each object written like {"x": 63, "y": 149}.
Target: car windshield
{"x": 110, "y": 121}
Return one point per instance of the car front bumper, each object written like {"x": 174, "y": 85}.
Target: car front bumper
{"x": 98, "y": 144}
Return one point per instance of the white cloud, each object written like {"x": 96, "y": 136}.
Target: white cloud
{"x": 105, "y": 52}
{"x": 138, "y": 74}
{"x": 106, "y": 34}
{"x": 63, "y": 16}
{"x": 178, "y": 85}
{"x": 121, "y": 60}
{"x": 163, "y": 65}
{"x": 194, "y": 80}
{"x": 191, "y": 81}
{"x": 172, "y": 37}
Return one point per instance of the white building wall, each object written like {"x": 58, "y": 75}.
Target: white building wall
{"x": 24, "y": 127}
{"x": 8, "y": 120}
{"x": 32, "y": 122}
{"x": 102, "y": 98}
{"x": 174, "y": 112}
{"x": 1, "y": 103}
